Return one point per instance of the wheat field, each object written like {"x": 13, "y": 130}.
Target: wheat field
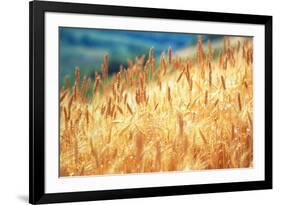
{"x": 178, "y": 114}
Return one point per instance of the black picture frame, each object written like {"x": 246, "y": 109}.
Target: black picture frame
{"x": 37, "y": 85}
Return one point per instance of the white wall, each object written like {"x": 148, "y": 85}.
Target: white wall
{"x": 14, "y": 100}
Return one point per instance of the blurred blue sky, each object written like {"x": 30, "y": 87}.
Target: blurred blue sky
{"x": 85, "y": 47}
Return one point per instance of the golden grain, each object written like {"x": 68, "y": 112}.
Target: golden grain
{"x": 125, "y": 125}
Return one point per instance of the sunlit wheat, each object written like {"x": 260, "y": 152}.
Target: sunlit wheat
{"x": 185, "y": 114}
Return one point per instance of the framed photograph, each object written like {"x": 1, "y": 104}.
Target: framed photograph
{"x": 141, "y": 102}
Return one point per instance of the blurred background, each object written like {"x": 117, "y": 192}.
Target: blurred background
{"x": 85, "y": 47}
